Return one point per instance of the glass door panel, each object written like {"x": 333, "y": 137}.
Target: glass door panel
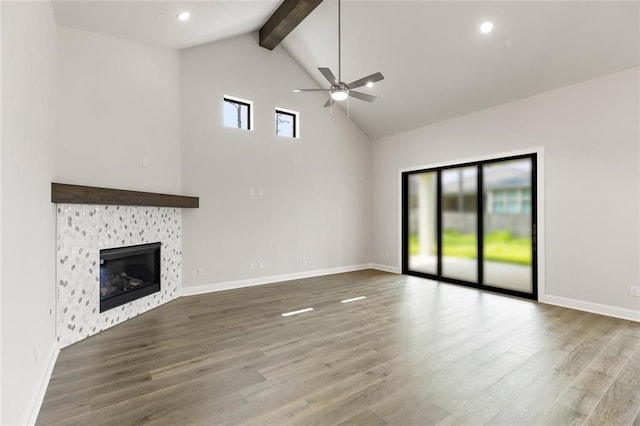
{"x": 422, "y": 222}
{"x": 459, "y": 198}
{"x": 473, "y": 224}
{"x": 507, "y": 242}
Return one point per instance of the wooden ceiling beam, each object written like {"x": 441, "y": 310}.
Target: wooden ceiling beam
{"x": 284, "y": 20}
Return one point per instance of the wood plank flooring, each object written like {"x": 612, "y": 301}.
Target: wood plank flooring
{"x": 414, "y": 352}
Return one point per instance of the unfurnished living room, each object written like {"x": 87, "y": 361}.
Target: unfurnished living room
{"x": 308, "y": 212}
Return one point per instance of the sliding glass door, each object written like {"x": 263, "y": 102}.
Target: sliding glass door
{"x": 473, "y": 224}
{"x": 459, "y": 230}
{"x": 508, "y": 224}
{"x": 423, "y": 239}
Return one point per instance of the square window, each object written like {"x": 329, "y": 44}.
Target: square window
{"x": 286, "y": 123}
{"x": 237, "y": 113}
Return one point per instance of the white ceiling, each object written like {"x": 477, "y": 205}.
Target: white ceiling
{"x": 436, "y": 63}
{"x": 155, "y": 22}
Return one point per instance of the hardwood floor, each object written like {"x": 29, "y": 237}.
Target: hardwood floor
{"x": 414, "y": 352}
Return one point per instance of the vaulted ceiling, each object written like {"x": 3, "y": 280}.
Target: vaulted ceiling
{"x": 436, "y": 63}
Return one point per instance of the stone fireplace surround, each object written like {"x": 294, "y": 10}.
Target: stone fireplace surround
{"x": 82, "y": 231}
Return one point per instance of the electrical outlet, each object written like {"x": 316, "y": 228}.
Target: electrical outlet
{"x": 252, "y": 265}
{"x": 260, "y": 265}
{"x": 200, "y": 271}
{"x": 635, "y": 290}
{"x": 304, "y": 260}
{"x": 145, "y": 162}
{"x": 252, "y": 193}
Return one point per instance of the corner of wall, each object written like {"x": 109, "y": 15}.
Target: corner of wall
{"x": 44, "y": 383}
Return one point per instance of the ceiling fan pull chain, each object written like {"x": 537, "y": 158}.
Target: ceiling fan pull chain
{"x": 339, "y": 46}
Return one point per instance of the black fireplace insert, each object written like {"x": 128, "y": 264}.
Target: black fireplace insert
{"x": 128, "y": 273}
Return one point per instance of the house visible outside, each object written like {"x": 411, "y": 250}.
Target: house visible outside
{"x": 507, "y": 206}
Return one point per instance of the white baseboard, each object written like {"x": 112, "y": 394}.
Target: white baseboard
{"x": 37, "y": 404}
{"x": 385, "y": 268}
{"x": 229, "y": 285}
{"x": 595, "y": 308}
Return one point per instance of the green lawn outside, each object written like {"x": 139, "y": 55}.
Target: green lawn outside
{"x": 499, "y": 246}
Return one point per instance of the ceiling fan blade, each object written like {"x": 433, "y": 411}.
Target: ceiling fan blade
{"x": 328, "y": 103}
{"x": 329, "y": 75}
{"x": 370, "y": 78}
{"x": 362, "y": 96}
{"x": 310, "y": 90}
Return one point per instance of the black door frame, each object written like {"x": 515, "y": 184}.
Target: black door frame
{"x": 480, "y": 225}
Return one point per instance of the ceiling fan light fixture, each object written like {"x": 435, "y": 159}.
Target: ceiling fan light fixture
{"x": 486, "y": 27}
{"x": 340, "y": 94}
{"x": 369, "y": 84}
{"x": 184, "y": 16}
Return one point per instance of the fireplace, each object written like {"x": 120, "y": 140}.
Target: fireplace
{"x": 128, "y": 273}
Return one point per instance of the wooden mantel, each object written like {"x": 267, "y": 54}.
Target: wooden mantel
{"x": 62, "y": 193}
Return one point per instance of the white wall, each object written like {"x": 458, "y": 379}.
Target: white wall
{"x": 118, "y": 101}
{"x": 316, "y": 189}
{"x": 28, "y": 220}
{"x": 590, "y": 136}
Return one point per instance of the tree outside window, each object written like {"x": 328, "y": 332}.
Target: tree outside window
{"x": 237, "y": 113}
{"x": 286, "y": 123}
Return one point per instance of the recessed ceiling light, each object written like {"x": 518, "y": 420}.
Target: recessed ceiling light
{"x": 486, "y": 27}
{"x": 370, "y": 84}
{"x": 184, "y": 16}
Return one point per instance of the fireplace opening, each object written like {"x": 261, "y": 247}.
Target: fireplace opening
{"x": 128, "y": 273}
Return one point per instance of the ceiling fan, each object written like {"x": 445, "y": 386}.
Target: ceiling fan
{"x": 339, "y": 90}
